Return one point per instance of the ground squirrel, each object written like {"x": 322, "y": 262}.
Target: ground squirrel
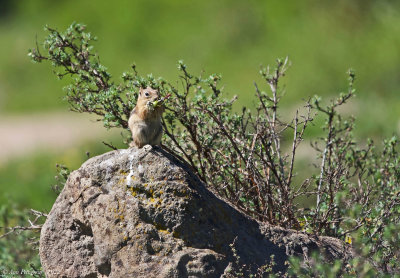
{"x": 145, "y": 119}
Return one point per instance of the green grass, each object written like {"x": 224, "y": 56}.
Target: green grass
{"x": 322, "y": 40}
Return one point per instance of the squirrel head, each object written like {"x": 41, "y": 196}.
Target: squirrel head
{"x": 148, "y": 94}
{"x": 145, "y": 96}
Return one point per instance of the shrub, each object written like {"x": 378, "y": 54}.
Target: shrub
{"x": 249, "y": 158}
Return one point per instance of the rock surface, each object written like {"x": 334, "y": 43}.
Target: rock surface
{"x": 142, "y": 213}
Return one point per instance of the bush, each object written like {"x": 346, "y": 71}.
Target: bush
{"x": 249, "y": 158}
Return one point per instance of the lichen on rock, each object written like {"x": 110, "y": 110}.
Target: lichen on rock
{"x": 143, "y": 213}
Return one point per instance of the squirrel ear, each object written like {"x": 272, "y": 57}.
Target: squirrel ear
{"x": 140, "y": 91}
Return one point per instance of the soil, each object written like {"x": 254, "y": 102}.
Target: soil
{"x": 21, "y": 135}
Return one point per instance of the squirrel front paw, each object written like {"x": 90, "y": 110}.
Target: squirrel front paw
{"x": 147, "y": 147}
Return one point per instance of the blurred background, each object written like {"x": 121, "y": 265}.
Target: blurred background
{"x": 323, "y": 39}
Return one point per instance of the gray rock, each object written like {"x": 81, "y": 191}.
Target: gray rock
{"x": 142, "y": 213}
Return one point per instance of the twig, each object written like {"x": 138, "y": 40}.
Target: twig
{"x": 110, "y": 145}
{"x": 32, "y": 224}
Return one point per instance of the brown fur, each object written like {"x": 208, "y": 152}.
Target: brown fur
{"x": 145, "y": 124}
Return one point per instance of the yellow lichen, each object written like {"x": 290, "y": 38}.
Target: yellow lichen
{"x": 121, "y": 181}
{"x": 133, "y": 191}
{"x": 164, "y": 231}
{"x": 123, "y": 172}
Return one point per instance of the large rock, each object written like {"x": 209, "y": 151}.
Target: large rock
{"x": 142, "y": 213}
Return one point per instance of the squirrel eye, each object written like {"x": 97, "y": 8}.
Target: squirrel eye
{"x": 146, "y": 94}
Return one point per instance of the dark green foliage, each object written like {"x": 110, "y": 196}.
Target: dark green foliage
{"x": 249, "y": 158}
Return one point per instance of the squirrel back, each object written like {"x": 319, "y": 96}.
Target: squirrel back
{"x": 145, "y": 120}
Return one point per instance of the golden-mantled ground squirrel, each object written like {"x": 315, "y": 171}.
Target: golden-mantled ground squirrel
{"x": 145, "y": 119}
